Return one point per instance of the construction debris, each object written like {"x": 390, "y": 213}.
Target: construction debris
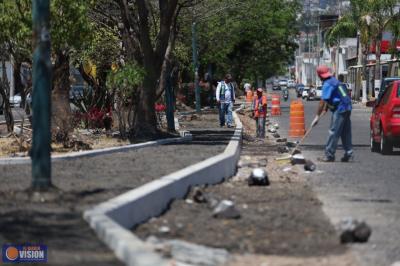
{"x": 226, "y": 210}
{"x": 258, "y": 177}
{"x": 291, "y": 144}
{"x": 298, "y": 159}
{"x": 283, "y": 149}
{"x": 276, "y": 135}
{"x": 354, "y": 231}
{"x": 310, "y": 166}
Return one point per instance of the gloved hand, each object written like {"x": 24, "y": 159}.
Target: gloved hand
{"x": 315, "y": 121}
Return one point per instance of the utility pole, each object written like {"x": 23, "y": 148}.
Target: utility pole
{"x": 42, "y": 81}
{"x": 196, "y": 68}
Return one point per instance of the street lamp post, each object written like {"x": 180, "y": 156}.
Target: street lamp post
{"x": 41, "y": 135}
{"x": 196, "y": 68}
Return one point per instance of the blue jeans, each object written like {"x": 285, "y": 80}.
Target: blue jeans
{"x": 340, "y": 128}
{"x": 225, "y": 109}
{"x": 260, "y": 126}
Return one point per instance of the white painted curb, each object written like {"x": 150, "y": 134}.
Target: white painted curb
{"x": 91, "y": 153}
{"x": 113, "y": 219}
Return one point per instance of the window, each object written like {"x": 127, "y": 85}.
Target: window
{"x": 386, "y": 95}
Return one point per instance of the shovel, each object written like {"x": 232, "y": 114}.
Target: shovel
{"x": 288, "y": 157}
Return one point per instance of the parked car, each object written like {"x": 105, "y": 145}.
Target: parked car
{"x": 15, "y": 101}
{"x": 385, "y": 120}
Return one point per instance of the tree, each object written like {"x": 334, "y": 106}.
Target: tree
{"x": 148, "y": 29}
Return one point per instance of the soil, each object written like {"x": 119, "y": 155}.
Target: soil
{"x": 55, "y": 218}
{"x": 282, "y": 224}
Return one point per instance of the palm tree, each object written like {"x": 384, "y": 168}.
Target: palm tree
{"x": 353, "y": 24}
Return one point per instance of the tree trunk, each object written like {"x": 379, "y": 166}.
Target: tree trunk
{"x": 61, "y": 110}
{"x": 145, "y": 124}
{"x": 5, "y": 94}
{"x": 17, "y": 80}
{"x": 377, "y": 78}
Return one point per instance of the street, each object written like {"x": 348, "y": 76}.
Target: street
{"x": 367, "y": 188}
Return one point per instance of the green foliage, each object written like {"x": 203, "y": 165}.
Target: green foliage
{"x": 248, "y": 38}
{"x": 125, "y": 79}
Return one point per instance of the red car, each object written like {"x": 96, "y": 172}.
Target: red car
{"x": 385, "y": 120}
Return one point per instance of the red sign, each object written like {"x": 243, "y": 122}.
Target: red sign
{"x": 385, "y": 47}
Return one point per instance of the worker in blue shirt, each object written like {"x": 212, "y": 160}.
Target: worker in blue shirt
{"x": 335, "y": 98}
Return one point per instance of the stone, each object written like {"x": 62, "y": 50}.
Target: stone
{"x": 271, "y": 130}
{"x": 281, "y": 140}
{"x": 276, "y": 126}
{"x": 309, "y": 166}
{"x": 352, "y": 230}
{"x": 284, "y": 149}
{"x": 164, "y": 229}
{"x": 189, "y": 201}
{"x": 199, "y": 196}
{"x": 258, "y": 177}
{"x": 226, "y": 210}
{"x": 291, "y": 144}
{"x": 276, "y": 135}
{"x": 186, "y": 253}
{"x": 298, "y": 159}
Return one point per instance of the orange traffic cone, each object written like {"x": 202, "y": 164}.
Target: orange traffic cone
{"x": 297, "y": 127}
{"x": 276, "y": 105}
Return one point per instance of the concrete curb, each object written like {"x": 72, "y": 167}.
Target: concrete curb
{"x": 113, "y": 219}
{"x": 75, "y": 155}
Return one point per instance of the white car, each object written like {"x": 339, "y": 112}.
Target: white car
{"x": 283, "y": 83}
{"x": 291, "y": 83}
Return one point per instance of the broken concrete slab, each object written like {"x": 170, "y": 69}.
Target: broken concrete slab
{"x": 226, "y": 210}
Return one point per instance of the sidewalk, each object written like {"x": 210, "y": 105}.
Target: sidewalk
{"x": 56, "y": 219}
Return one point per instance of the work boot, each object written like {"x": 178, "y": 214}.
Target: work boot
{"x": 326, "y": 159}
{"x": 347, "y": 158}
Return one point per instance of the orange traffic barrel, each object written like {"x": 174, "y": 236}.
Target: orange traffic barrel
{"x": 249, "y": 96}
{"x": 276, "y": 105}
{"x": 297, "y": 127}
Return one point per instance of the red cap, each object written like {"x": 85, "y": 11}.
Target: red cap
{"x": 324, "y": 72}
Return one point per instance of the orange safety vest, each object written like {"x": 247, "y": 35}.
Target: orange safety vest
{"x": 256, "y": 106}
{"x": 249, "y": 96}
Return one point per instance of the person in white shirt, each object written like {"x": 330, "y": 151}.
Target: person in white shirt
{"x": 225, "y": 95}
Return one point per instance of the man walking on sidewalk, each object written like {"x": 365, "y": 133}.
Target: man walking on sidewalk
{"x": 260, "y": 112}
{"x": 225, "y": 96}
{"x": 335, "y": 98}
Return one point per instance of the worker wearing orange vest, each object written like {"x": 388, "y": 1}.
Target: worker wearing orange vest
{"x": 260, "y": 112}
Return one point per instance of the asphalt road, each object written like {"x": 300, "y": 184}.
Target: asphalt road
{"x": 367, "y": 189}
